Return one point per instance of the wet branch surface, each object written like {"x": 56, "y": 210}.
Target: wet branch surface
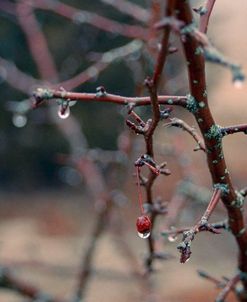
{"x": 197, "y": 48}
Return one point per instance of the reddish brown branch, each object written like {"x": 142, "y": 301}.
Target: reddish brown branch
{"x": 152, "y": 85}
{"x": 215, "y": 156}
{"x": 36, "y": 41}
{"x": 46, "y": 94}
{"x": 234, "y": 129}
{"x": 188, "y": 236}
{"x": 204, "y": 19}
{"x": 170, "y": 5}
{"x": 230, "y": 286}
{"x": 221, "y": 225}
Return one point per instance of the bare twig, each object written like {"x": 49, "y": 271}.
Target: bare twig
{"x": 204, "y": 19}
{"x": 46, "y": 94}
{"x": 234, "y": 129}
{"x": 230, "y": 286}
{"x": 191, "y": 130}
{"x": 221, "y": 225}
{"x": 36, "y": 40}
{"x": 188, "y": 236}
{"x": 152, "y": 85}
{"x": 217, "y": 282}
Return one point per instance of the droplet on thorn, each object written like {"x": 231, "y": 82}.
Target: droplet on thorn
{"x": 238, "y": 84}
{"x": 19, "y": 120}
{"x": 172, "y": 238}
{"x": 63, "y": 114}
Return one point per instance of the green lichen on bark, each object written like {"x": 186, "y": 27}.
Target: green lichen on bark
{"x": 43, "y": 93}
{"x": 224, "y": 188}
{"x": 192, "y": 104}
{"x": 214, "y": 132}
{"x": 239, "y": 201}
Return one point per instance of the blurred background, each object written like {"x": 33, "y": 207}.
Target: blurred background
{"x": 47, "y": 211}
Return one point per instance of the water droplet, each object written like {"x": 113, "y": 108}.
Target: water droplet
{"x": 19, "y": 120}
{"x": 238, "y": 84}
{"x": 172, "y": 238}
{"x": 63, "y": 114}
{"x": 144, "y": 235}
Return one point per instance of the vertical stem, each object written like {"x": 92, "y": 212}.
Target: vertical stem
{"x": 213, "y": 139}
{"x": 152, "y": 85}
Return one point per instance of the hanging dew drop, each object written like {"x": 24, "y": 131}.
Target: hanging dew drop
{"x": 143, "y": 235}
{"x": 63, "y": 114}
{"x": 172, "y": 238}
{"x": 19, "y": 120}
{"x": 238, "y": 84}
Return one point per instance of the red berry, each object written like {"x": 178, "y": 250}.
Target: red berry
{"x": 143, "y": 224}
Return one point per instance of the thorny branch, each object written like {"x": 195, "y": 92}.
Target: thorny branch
{"x": 234, "y": 129}
{"x": 188, "y": 236}
{"x": 221, "y": 225}
{"x": 197, "y": 49}
{"x": 102, "y": 96}
{"x": 152, "y": 86}
{"x": 215, "y": 156}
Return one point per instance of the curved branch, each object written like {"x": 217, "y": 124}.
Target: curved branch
{"x": 191, "y": 130}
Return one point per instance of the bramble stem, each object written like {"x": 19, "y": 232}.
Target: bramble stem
{"x": 215, "y": 157}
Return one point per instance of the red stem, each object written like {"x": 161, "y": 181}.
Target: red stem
{"x": 215, "y": 157}
{"x": 139, "y": 189}
{"x": 110, "y": 98}
{"x": 204, "y": 20}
